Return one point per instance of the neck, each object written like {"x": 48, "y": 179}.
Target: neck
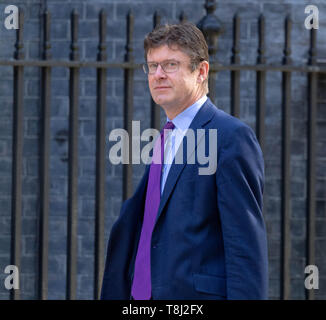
{"x": 172, "y": 111}
{"x": 171, "y": 114}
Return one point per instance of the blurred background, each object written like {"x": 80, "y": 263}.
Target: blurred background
{"x": 72, "y": 73}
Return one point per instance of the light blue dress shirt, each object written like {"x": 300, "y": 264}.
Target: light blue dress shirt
{"x": 182, "y": 123}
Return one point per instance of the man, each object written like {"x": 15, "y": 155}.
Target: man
{"x": 186, "y": 235}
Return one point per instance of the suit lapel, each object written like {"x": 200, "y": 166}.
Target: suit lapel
{"x": 203, "y": 116}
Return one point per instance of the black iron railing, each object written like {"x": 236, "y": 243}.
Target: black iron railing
{"x": 211, "y": 31}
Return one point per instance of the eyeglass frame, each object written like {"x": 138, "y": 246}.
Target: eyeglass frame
{"x": 145, "y": 65}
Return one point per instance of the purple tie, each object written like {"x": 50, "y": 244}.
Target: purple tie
{"x": 141, "y": 286}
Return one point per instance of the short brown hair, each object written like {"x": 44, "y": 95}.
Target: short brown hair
{"x": 186, "y": 36}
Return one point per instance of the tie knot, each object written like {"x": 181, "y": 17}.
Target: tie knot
{"x": 169, "y": 125}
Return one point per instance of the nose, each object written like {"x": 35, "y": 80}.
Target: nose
{"x": 159, "y": 73}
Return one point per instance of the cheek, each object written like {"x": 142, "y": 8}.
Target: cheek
{"x": 150, "y": 84}
{"x": 185, "y": 85}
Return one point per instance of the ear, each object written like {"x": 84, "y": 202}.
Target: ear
{"x": 203, "y": 71}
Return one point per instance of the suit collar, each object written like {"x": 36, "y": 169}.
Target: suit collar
{"x": 204, "y": 115}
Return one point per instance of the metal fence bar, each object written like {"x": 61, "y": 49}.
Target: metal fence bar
{"x": 311, "y": 158}
{"x": 100, "y": 160}
{"x": 17, "y": 154}
{"x": 267, "y": 67}
{"x": 74, "y": 64}
{"x": 261, "y": 86}
{"x": 128, "y": 106}
{"x": 44, "y": 164}
{"x": 70, "y": 64}
{"x": 211, "y": 28}
{"x": 214, "y": 66}
{"x": 235, "y": 75}
{"x": 212, "y": 85}
{"x": 73, "y": 165}
{"x": 286, "y": 173}
{"x": 183, "y": 17}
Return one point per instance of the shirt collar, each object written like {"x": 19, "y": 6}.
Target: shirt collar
{"x": 183, "y": 120}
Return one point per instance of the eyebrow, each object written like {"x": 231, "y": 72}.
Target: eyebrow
{"x": 162, "y": 61}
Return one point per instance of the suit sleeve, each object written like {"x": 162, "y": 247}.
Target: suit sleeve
{"x": 240, "y": 179}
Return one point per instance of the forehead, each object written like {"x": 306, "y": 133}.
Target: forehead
{"x": 166, "y": 53}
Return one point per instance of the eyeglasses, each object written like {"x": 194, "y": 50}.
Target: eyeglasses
{"x": 167, "y": 66}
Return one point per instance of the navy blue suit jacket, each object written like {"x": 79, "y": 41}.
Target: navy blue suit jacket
{"x": 209, "y": 240}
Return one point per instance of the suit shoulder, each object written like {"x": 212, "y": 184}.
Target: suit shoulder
{"x": 228, "y": 124}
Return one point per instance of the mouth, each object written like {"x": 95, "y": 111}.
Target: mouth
{"x": 162, "y": 87}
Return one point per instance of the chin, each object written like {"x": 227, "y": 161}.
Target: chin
{"x": 161, "y": 101}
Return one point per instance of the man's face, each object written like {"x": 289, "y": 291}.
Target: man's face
{"x": 177, "y": 90}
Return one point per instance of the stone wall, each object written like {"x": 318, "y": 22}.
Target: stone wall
{"x": 170, "y": 10}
